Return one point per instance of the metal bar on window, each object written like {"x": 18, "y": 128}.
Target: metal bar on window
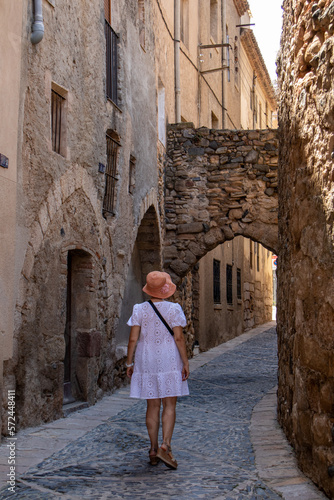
{"x": 216, "y": 282}
{"x": 239, "y": 284}
{"x": 111, "y": 176}
{"x": 111, "y": 62}
{"x": 229, "y": 290}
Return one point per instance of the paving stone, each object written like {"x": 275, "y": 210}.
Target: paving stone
{"x": 212, "y": 440}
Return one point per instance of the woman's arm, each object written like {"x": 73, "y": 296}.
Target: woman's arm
{"x": 134, "y": 335}
{"x": 181, "y": 345}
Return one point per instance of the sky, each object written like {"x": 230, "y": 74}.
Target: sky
{"x": 267, "y": 16}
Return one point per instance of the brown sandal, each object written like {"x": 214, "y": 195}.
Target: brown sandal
{"x": 166, "y": 456}
{"x": 154, "y": 460}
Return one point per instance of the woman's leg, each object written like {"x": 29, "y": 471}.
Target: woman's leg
{"x": 168, "y": 419}
{"x": 153, "y": 420}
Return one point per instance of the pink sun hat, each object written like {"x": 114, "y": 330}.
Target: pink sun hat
{"x": 159, "y": 285}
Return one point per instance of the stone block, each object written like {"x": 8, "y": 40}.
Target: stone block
{"x": 321, "y": 428}
{"x": 252, "y": 156}
{"x": 88, "y": 343}
{"x": 192, "y": 227}
{"x": 235, "y": 214}
{"x": 193, "y": 151}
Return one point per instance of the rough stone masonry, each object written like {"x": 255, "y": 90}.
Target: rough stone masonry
{"x": 219, "y": 184}
{"x": 306, "y": 229}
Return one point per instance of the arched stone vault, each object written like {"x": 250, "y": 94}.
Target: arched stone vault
{"x": 219, "y": 184}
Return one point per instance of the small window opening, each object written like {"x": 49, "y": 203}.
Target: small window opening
{"x": 216, "y": 282}
{"x": 229, "y": 284}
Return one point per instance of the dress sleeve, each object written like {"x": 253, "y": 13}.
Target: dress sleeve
{"x": 136, "y": 317}
{"x": 179, "y": 318}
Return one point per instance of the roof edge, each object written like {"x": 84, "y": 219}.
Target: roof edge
{"x": 254, "y": 53}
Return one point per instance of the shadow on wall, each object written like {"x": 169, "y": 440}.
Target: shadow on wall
{"x": 132, "y": 295}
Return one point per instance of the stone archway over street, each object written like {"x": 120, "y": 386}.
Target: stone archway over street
{"x": 219, "y": 184}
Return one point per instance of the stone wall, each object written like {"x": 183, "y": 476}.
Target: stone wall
{"x": 219, "y": 184}
{"x": 306, "y": 243}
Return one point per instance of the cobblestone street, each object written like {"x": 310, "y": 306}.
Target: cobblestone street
{"x": 226, "y": 439}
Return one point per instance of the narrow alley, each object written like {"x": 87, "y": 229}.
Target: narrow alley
{"x": 227, "y": 440}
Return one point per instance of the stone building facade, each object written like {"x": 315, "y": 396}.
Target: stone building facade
{"x": 306, "y": 228}
{"x": 84, "y": 196}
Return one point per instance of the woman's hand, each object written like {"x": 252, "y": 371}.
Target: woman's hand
{"x": 129, "y": 371}
{"x": 185, "y": 371}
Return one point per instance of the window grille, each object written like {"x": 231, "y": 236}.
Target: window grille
{"x": 216, "y": 282}
{"x": 236, "y": 62}
{"x": 229, "y": 285}
{"x": 132, "y": 166}
{"x": 239, "y": 284}
{"x": 251, "y": 254}
{"x": 111, "y": 177}
{"x": 111, "y": 62}
{"x": 57, "y": 103}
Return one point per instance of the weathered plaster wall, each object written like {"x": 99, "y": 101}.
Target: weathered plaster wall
{"x": 306, "y": 246}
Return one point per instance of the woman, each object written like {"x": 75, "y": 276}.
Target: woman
{"x": 161, "y": 367}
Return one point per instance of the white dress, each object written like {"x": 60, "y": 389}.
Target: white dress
{"x": 158, "y": 366}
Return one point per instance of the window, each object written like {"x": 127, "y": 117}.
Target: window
{"x": 58, "y": 116}
{"x": 111, "y": 174}
{"x": 107, "y": 12}
{"x": 216, "y": 281}
{"x": 161, "y": 113}
{"x": 111, "y": 62}
{"x": 141, "y": 19}
{"x": 229, "y": 287}
{"x": 214, "y": 19}
{"x": 251, "y": 254}
{"x": 185, "y": 22}
{"x": 132, "y": 168}
{"x": 214, "y": 121}
{"x": 239, "y": 284}
{"x": 228, "y": 56}
{"x": 257, "y": 253}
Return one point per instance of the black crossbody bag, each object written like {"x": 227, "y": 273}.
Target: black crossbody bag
{"x": 161, "y": 318}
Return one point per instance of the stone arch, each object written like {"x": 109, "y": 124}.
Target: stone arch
{"x": 219, "y": 184}
{"x": 70, "y": 224}
{"x": 145, "y": 257}
{"x": 74, "y": 179}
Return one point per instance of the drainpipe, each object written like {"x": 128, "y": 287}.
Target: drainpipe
{"x": 177, "y": 33}
{"x": 38, "y": 26}
{"x": 223, "y": 15}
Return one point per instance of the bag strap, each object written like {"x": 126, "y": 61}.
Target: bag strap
{"x": 161, "y": 318}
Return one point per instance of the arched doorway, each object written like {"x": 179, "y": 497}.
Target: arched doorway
{"x": 145, "y": 257}
{"x": 233, "y": 291}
